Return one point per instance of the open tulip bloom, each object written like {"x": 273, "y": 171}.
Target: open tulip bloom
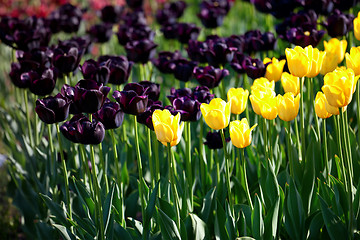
{"x": 167, "y": 127}
{"x": 216, "y": 113}
{"x": 240, "y": 133}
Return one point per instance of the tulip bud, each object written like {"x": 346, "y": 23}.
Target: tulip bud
{"x": 353, "y": 60}
{"x": 288, "y": 106}
{"x": 316, "y": 58}
{"x": 274, "y": 68}
{"x": 167, "y": 127}
{"x": 238, "y": 98}
{"x": 337, "y": 48}
{"x": 264, "y": 104}
{"x": 240, "y": 133}
{"x": 357, "y": 27}
{"x": 320, "y": 109}
{"x": 299, "y": 62}
{"x": 216, "y": 113}
{"x": 290, "y": 83}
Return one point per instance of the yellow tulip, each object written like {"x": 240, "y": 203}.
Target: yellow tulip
{"x": 329, "y": 64}
{"x": 240, "y": 133}
{"x": 238, "y": 98}
{"x": 167, "y": 127}
{"x": 274, "y": 68}
{"x": 290, "y": 83}
{"x": 264, "y": 104}
{"x": 353, "y": 60}
{"x": 320, "y": 109}
{"x": 299, "y": 62}
{"x": 216, "y": 113}
{"x": 288, "y": 106}
{"x": 337, "y": 48}
{"x": 316, "y": 60}
{"x": 261, "y": 84}
{"x": 339, "y": 87}
{"x": 357, "y": 27}
{"x": 333, "y": 110}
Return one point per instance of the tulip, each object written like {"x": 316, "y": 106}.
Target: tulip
{"x": 66, "y": 18}
{"x": 128, "y": 33}
{"x": 337, "y": 48}
{"x": 288, "y": 106}
{"x": 209, "y": 76}
{"x": 299, "y": 62}
{"x": 187, "y": 32}
{"x": 262, "y": 84}
{"x": 146, "y": 117}
{"x": 119, "y": 67}
{"x": 67, "y": 57}
{"x": 184, "y": 69}
{"x": 357, "y": 27}
{"x": 237, "y": 62}
{"x": 152, "y": 90}
{"x": 320, "y": 103}
{"x": 290, "y": 83}
{"x": 42, "y": 83}
{"x": 316, "y": 58}
{"x": 196, "y": 51}
{"x": 274, "y": 68}
{"x": 330, "y": 63}
{"x": 188, "y": 108}
{"x": 216, "y": 113}
{"x": 238, "y": 98}
{"x": 339, "y": 87}
{"x": 100, "y": 33}
{"x": 140, "y": 51}
{"x": 218, "y": 52}
{"x": 132, "y": 99}
{"x": 353, "y": 60}
{"x": 240, "y": 133}
{"x": 302, "y": 37}
{"x": 111, "y": 14}
{"x": 254, "y": 68}
{"x": 339, "y": 24}
{"x": 202, "y": 94}
{"x": 95, "y": 71}
{"x": 53, "y": 109}
{"x": 170, "y": 12}
{"x": 214, "y": 141}
{"x": 167, "y": 127}
{"x": 165, "y": 61}
{"x": 264, "y": 104}
{"x": 134, "y": 4}
{"x": 110, "y": 115}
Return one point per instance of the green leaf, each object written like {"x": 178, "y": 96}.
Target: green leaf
{"x": 307, "y": 186}
{"x": 121, "y": 233}
{"x": 56, "y": 209}
{"x": 199, "y": 229}
{"x": 220, "y": 220}
{"x": 271, "y": 220}
{"x": 257, "y": 219}
{"x": 67, "y": 235}
{"x": 208, "y": 206}
{"x": 316, "y": 224}
{"x": 333, "y": 223}
{"x": 168, "y": 227}
{"x": 168, "y": 208}
{"x": 107, "y": 207}
{"x": 149, "y": 211}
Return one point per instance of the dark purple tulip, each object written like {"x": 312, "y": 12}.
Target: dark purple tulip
{"x": 140, "y": 51}
{"x": 214, "y": 141}
{"x": 96, "y": 71}
{"x": 184, "y": 69}
{"x": 213, "y": 12}
{"x": 345, "y": 5}
{"x": 269, "y": 41}
{"x": 196, "y": 51}
{"x": 82, "y": 43}
{"x": 80, "y": 130}
{"x": 89, "y": 96}
{"x": 236, "y": 41}
{"x": 187, "y": 32}
{"x": 134, "y": 4}
{"x": 67, "y": 18}
{"x": 134, "y": 18}
{"x": 119, "y": 66}
{"x": 111, "y": 14}
{"x": 38, "y": 58}
{"x": 188, "y": 108}
{"x": 237, "y": 62}
{"x": 209, "y": 76}
{"x": 254, "y": 68}
{"x": 146, "y": 117}
{"x": 178, "y": 93}
{"x": 263, "y": 6}
{"x": 132, "y": 99}
{"x": 110, "y": 115}
{"x": 53, "y": 109}
{"x": 253, "y": 41}
{"x": 130, "y": 33}
{"x": 152, "y": 90}
{"x": 202, "y": 94}
{"x": 324, "y": 7}
{"x": 339, "y": 24}
{"x": 303, "y": 38}
{"x": 170, "y": 12}
{"x": 165, "y": 61}
{"x": 218, "y": 53}
{"x": 15, "y": 76}
{"x": 42, "y": 83}
{"x": 100, "y": 33}
{"x": 69, "y": 92}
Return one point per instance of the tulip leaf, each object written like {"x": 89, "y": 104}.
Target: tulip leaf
{"x": 56, "y": 209}
{"x": 199, "y": 229}
{"x": 257, "y": 219}
{"x": 271, "y": 220}
{"x": 220, "y": 220}
{"x": 84, "y": 196}
{"x": 107, "y": 207}
{"x": 67, "y": 235}
{"x": 168, "y": 227}
{"x": 149, "y": 211}
{"x": 208, "y": 207}
{"x": 316, "y": 224}
{"x": 333, "y": 223}
{"x": 121, "y": 233}
{"x": 308, "y": 182}
{"x": 241, "y": 224}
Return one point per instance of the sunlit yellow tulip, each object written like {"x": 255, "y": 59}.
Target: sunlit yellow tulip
{"x": 329, "y": 64}
{"x": 238, "y": 98}
{"x": 337, "y": 48}
{"x": 290, "y": 83}
{"x": 216, "y": 113}
{"x": 357, "y": 27}
{"x": 339, "y": 87}
{"x": 288, "y": 106}
{"x": 240, "y": 133}
{"x": 353, "y": 60}
{"x": 320, "y": 109}
{"x": 316, "y": 60}
{"x": 274, "y": 68}
{"x": 167, "y": 127}
{"x": 299, "y": 62}
{"x": 264, "y": 104}
{"x": 261, "y": 84}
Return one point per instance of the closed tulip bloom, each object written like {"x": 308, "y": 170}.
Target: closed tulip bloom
{"x": 333, "y": 110}
{"x": 264, "y": 104}
{"x": 330, "y": 63}
{"x": 274, "y": 68}
{"x": 240, "y": 133}
{"x": 353, "y": 60}
{"x": 290, "y": 83}
{"x": 299, "y": 62}
{"x": 336, "y": 47}
{"x": 317, "y": 58}
{"x": 320, "y": 109}
{"x": 357, "y": 27}
{"x": 339, "y": 87}
{"x": 167, "y": 127}
{"x": 216, "y": 113}
{"x": 238, "y": 98}
{"x": 288, "y": 106}
{"x": 261, "y": 84}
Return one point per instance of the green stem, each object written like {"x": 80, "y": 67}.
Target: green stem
{"x": 288, "y": 141}
{"x": 227, "y": 170}
{"x": 326, "y": 158}
{"x": 201, "y": 153}
{"x": 97, "y": 193}
{"x": 297, "y": 138}
{"x": 103, "y": 166}
{"x": 52, "y": 152}
{"x": 302, "y": 120}
{"x": 151, "y": 161}
{"x": 66, "y": 178}
{"x": 28, "y": 118}
{"x": 116, "y": 157}
{"x": 36, "y": 132}
{"x": 189, "y": 178}
{"x": 217, "y": 164}
{"x": 141, "y": 176}
{"x": 266, "y": 150}
{"x": 338, "y": 138}
{"x": 66, "y": 79}
{"x": 248, "y": 196}
{"x": 157, "y": 160}
{"x": 173, "y": 186}
{"x": 358, "y": 109}
{"x": 86, "y": 166}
